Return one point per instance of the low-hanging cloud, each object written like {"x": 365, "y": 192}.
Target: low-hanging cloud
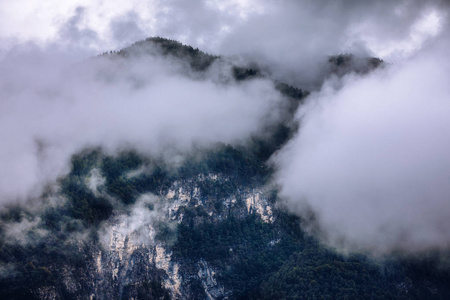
{"x": 371, "y": 159}
{"x": 52, "y": 109}
{"x": 293, "y": 39}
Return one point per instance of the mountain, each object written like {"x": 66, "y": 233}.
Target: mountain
{"x": 131, "y": 225}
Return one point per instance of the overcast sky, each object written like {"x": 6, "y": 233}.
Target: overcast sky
{"x": 370, "y": 158}
{"x": 385, "y": 28}
{"x": 286, "y": 37}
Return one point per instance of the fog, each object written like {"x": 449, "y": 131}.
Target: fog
{"x": 370, "y": 160}
{"x": 51, "y": 110}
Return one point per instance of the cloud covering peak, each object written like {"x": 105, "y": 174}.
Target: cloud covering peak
{"x": 371, "y": 158}
{"x": 50, "y": 111}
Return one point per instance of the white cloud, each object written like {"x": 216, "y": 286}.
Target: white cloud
{"x": 50, "y": 111}
{"x": 371, "y": 160}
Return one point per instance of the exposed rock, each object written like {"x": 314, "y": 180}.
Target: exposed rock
{"x": 257, "y": 203}
{"x": 130, "y": 255}
{"x": 212, "y": 288}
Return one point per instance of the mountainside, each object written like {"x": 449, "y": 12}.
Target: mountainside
{"x": 207, "y": 224}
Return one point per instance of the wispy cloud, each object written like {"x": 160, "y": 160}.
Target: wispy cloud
{"x": 50, "y": 110}
{"x": 371, "y": 159}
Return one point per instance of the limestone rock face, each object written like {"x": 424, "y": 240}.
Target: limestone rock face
{"x": 130, "y": 254}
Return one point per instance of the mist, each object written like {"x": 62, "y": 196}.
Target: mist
{"x": 52, "y": 109}
{"x": 293, "y": 39}
{"x": 371, "y": 157}
{"x": 370, "y": 160}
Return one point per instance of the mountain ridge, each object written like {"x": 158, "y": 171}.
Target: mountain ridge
{"x": 132, "y": 226}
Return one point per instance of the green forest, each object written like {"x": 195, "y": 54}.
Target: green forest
{"x": 253, "y": 259}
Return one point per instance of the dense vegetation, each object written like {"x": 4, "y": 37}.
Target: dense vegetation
{"x": 344, "y": 63}
{"x": 278, "y": 261}
{"x": 254, "y": 259}
{"x": 198, "y": 60}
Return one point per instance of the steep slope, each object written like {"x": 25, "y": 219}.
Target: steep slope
{"x": 210, "y": 225}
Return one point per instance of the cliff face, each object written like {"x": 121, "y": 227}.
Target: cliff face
{"x": 132, "y": 259}
{"x": 209, "y": 235}
{"x": 131, "y": 256}
{"x": 205, "y": 226}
